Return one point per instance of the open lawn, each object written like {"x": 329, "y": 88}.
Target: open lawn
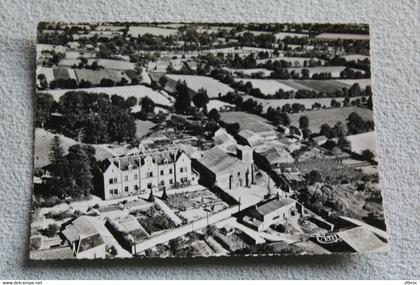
{"x": 218, "y": 105}
{"x": 143, "y": 128}
{"x": 138, "y": 91}
{"x": 247, "y": 121}
{"x": 267, "y": 86}
{"x": 195, "y": 82}
{"x": 329, "y": 116}
{"x": 363, "y": 141}
{"x": 308, "y": 102}
{"x": 95, "y": 76}
{"x": 42, "y": 143}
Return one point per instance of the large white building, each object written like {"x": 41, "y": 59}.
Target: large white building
{"x": 134, "y": 174}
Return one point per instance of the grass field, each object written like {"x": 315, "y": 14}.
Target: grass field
{"x": 217, "y": 104}
{"x": 335, "y": 70}
{"x": 136, "y": 31}
{"x": 195, "y": 82}
{"x": 326, "y": 86}
{"x": 363, "y": 141}
{"x": 267, "y": 86}
{"x": 308, "y": 102}
{"x": 335, "y": 36}
{"x": 95, "y": 76}
{"x": 329, "y": 116}
{"x": 138, "y": 91}
{"x": 143, "y": 128}
{"x": 247, "y": 121}
{"x": 42, "y": 143}
{"x": 362, "y": 82}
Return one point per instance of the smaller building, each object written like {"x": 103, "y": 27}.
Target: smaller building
{"x": 224, "y": 140}
{"x": 269, "y": 212}
{"x": 84, "y": 239}
{"x": 320, "y": 140}
{"x": 274, "y": 159}
{"x": 250, "y": 138}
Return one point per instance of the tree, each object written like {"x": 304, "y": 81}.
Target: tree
{"x": 147, "y": 105}
{"x": 313, "y": 177}
{"x": 44, "y": 106}
{"x": 183, "y": 99}
{"x": 214, "y": 115}
{"x": 79, "y": 166}
{"x": 303, "y": 122}
{"x": 95, "y": 130}
{"x": 367, "y": 155}
{"x": 118, "y": 100}
{"x": 344, "y": 143}
{"x": 325, "y": 130}
{"x": 58, "y": 168}
{"x": 162, "y": 81}
{"x": 201, "y": 99}
{"x": 306, "y": 133}
{"x": 130, "y": 102}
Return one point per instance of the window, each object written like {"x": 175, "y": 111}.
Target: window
{"x": 111, "y": 192}
{"x": 126, "y": 188}
{"x": 162, "y": 172}
{"x": 136, "y": 187}
{"x": 135, "y": 176}
{"x": 110, "y": 181}
{"x": 149, "y": 185}
{"x": 170, "y": 170}
{"x": 181, "y": 170}
{"x": 150, "y": 174}
{"x": 162, "y": 182}
{"x": 171, "y": 181}
{"x": 116, "y": 191}
{"x": 115, "y": 180}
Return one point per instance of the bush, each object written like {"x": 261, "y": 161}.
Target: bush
{"x": 50, "y": 231}
{"x": 35, "y": 243}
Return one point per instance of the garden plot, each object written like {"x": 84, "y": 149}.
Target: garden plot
{"x": 247, "y": 121}
{"x": 138, "y": 91}
{"x": 267, "y": 86}
{"x": 363, "y": 141}
{"x": 136, "y": 31}
{"x": 194, "y": 82}
{"x": 329, "y": 116}
{"x": 195, "y": 205}
{"x": 153, "y": 220}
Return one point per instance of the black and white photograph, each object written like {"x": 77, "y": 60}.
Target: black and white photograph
{"x": 183, "y": 140}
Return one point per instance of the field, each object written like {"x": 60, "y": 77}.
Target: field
{"x": 335, "y": 36}
{"x": 329, "y": 116}
{"x": 267, "y": 86}
{"x": 138, "y": 91}
{"x": 363, "y": 141}
{"x": 213, "y": 87}
{"x": 335, "y": 70}
{"x": 355, "y": 57}
{"x": 362, "y": 82}
{"x": 327, "y": 86}
{"x": 136, "y": 31}
{"x": 247, "y": 121}
{"x": 95, "y": 76}
{"x": 282, "y": 35}
{"x": 218, "y": 105}
{"x": 308, "y": 102}
{"x": 105, "y": 63}
{"x": 249, "y": 72}
{"x": 42, "y": 143}
{"x": 143, "y": 128}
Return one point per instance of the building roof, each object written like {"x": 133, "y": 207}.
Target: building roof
{"x": 89, "y": 242}
{"x": 246, "y": 134}
{"x": 81, "y": 226}
{"x": 269, "y": 206}
{"x": 362, "y": 239}
{"x": 319, "y": 139}
{"x": 220, "y": 162}
{"x": 277, "y": 155}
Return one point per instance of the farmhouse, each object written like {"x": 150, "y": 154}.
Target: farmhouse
{"x": 250, "y": 138}
{"x": 131, "y": 175}
{"x": 84, "y": 239}
{"x": 269, "y": 212}
{"x": 217, "y": 167}
{"x": 273, "y": 158}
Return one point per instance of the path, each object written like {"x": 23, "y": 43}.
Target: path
{"x": 168, "y": 211}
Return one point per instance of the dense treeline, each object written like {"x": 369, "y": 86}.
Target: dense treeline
{"x": 88, "y": 117}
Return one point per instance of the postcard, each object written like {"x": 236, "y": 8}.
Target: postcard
{"x": 204, "y": 139}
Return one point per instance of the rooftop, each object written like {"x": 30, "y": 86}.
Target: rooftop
{"x": 220, "y": 162}
{"x": 269, "y": 206}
